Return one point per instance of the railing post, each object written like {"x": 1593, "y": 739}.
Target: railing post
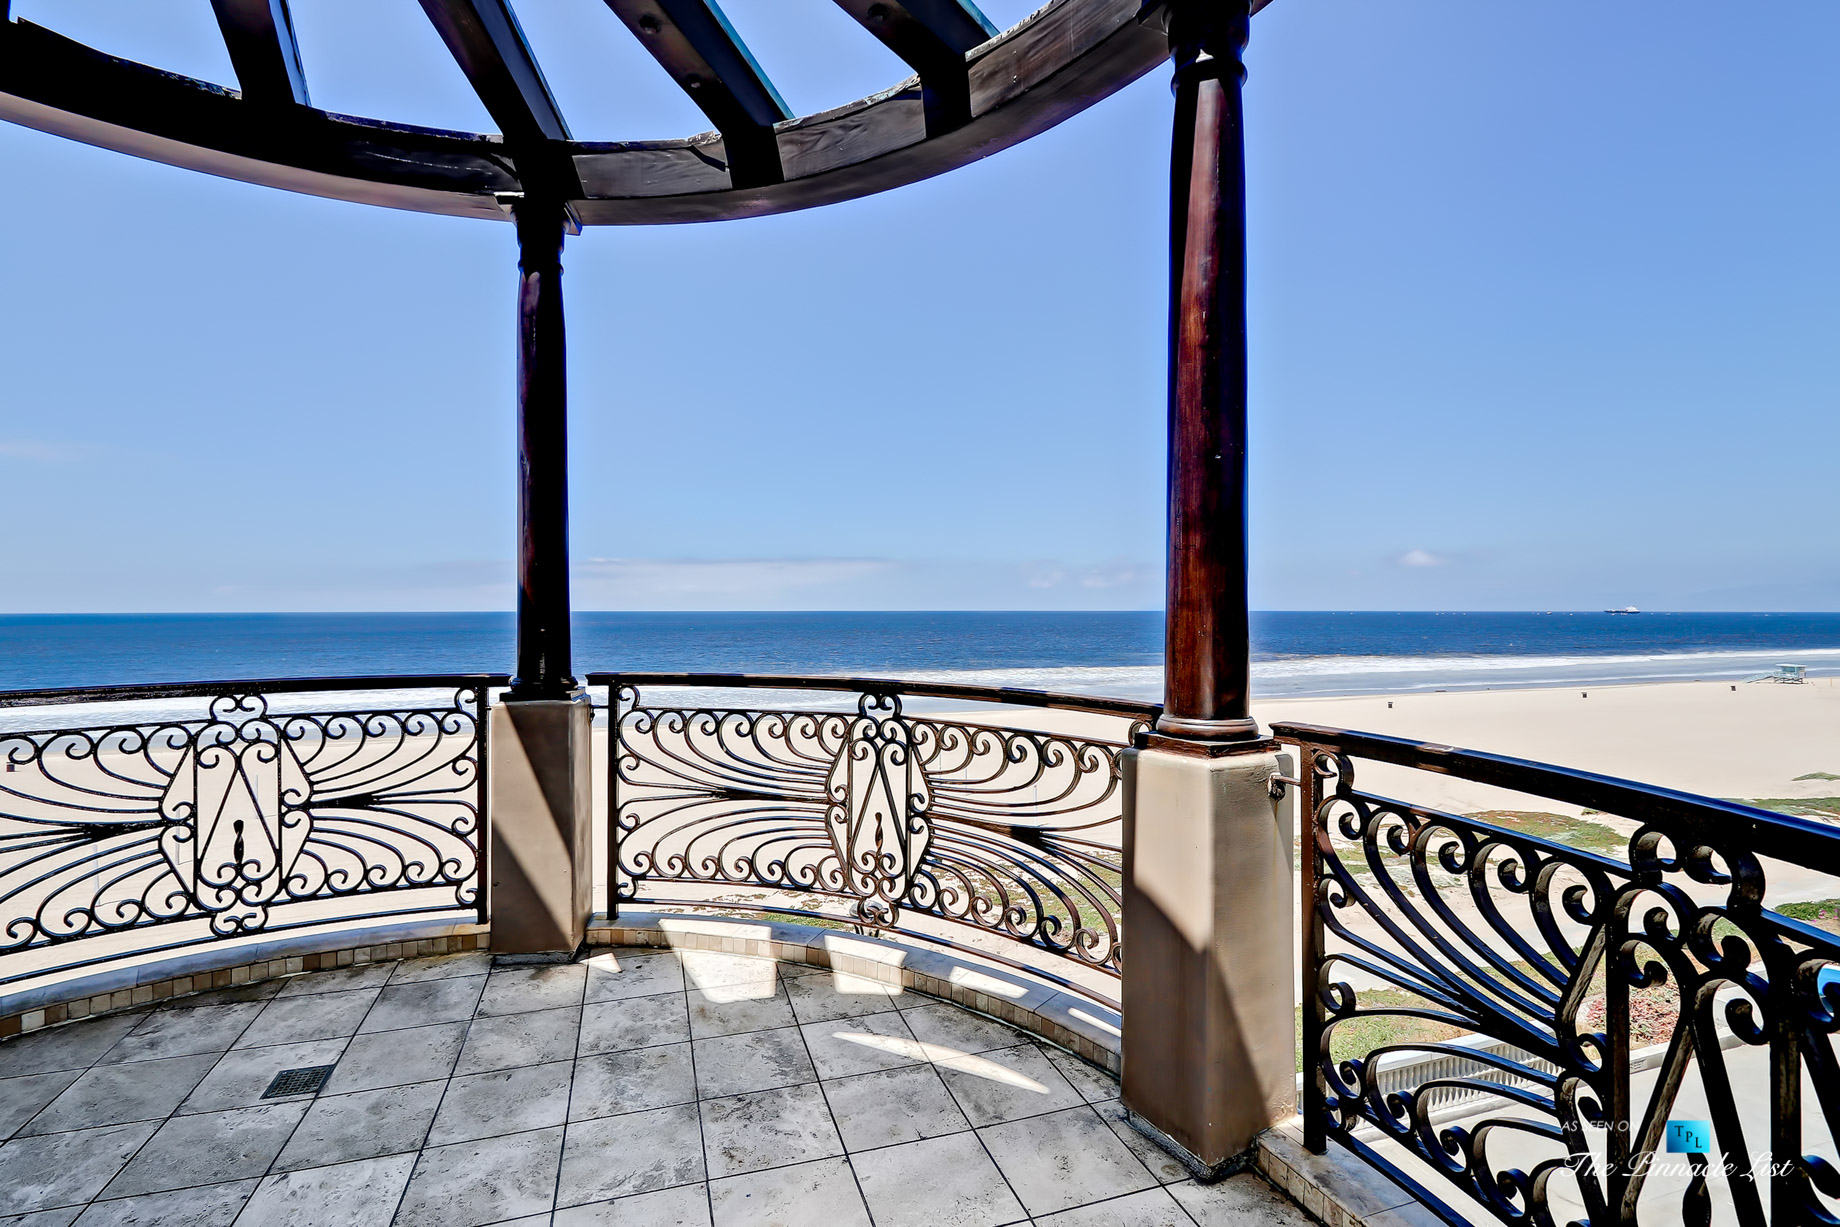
{"x": 1310, "y": 927}
{"x": 542, "y": 788}
{"x": 1618, "y": 1143}
{"x": 482, "y": 729}
{"x": 613, "y": 797}
{"x": 1786, "y": 1179}
{"x": 1209, "y": 1030}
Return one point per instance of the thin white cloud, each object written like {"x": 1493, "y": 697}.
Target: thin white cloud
{"x": 1422, "y": 558}
{"x": 647, "y": 579}
{"x": 1117, "y": 573}
{"x": 294, "y": 583}
{"x": 27, "y": 449}
{"x": 863, "y": 583}
{"x": 1120, "y": 575}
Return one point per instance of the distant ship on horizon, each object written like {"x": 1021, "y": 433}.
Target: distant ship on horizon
{"x": 1628, "y": 609}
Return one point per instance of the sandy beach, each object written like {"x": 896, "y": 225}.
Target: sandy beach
{"x": 1750, "y": 741}
{"x": 1718, "y": 739}
{"x": 1708, "y": 738}
{"x": 1744, "y": 741}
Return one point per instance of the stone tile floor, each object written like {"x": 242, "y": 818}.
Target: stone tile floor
{"x": 636, "y": 1088}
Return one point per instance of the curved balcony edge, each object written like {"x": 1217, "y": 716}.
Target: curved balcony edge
{"x": 1079, "y": 1024}
{"x": 1062, "y": 1016}
{"x": 206, "y": 968}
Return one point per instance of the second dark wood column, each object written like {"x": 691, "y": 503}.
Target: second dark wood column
{"x": 1208, "y": 1051}
{"x": 543, "y": 665}
{"x": 1207, "y": 653}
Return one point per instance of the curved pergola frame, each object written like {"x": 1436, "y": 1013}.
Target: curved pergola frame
{"x": 975, "y": 91}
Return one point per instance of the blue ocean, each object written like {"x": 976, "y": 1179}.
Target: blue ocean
{"x": 1294, "y": 653}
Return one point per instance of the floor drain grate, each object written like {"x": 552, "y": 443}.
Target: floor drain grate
{"x": 305, "y": 1081}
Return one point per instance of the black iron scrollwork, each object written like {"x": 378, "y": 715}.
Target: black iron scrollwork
{"x": 233, "y": 816}
{"x": 1538, "y": 949}
{"x": 995, "y": 828}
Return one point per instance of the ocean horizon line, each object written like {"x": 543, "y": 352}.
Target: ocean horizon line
{"x": 1118, "y": 653}
{"x": 778, "y": 613}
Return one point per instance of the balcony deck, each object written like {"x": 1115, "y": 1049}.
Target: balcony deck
{"x": 637, "y": 1087}
{"x": 799, "y": 1021}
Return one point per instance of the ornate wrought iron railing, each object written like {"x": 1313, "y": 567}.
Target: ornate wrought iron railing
{"x": 141, "y": 819}
{"x": 870, "y": 814}
{"x": 1412, "y": 917}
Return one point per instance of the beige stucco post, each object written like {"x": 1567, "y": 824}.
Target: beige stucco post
{"x": 542, "y": 826}
{"x": 1209, "y": 1028}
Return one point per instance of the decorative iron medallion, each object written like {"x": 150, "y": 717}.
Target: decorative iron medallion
{"x": 1014, "y": 832}
{"x": 238, "y": 819}
{"x": 878, "y": 816}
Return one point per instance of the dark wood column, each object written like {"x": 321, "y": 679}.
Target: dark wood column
{"x": 1207, "y": 656}
{"x": 1208, "y": 1056}
{"x": 543, "y": 668}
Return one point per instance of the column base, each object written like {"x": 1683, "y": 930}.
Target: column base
{"x": 1189, "y": 747}
{"x": 1200, "y": 1169}
{"x": 1242, "y": 730}
{"x": 542, "y": 958}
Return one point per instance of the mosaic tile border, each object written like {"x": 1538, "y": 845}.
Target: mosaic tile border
{"x": 114, "y": 1001}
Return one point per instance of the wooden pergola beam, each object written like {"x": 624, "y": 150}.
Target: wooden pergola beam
{"x": 695, "y": 43}
{"x": 259, "y": 35}
{"x": 931, "y": 37}
{"x": 1060, "y": 61}
{"x": 485, "y": 40}
{"x": 57, "y": 85}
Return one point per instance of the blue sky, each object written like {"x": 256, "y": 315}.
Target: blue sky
{"x": 1544, "y": 315}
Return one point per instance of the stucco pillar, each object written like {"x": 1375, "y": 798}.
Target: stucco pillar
{"x": 1209, "y": 1025}
{"x": 542, "y": 815}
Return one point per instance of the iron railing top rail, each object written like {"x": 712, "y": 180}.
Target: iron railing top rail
{"x": 1014, "y": 695}
{"x": 1799, "y": 840}
{"x": 261, "y": 685}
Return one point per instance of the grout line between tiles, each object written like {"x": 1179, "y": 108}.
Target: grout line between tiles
{"x": 269, "y": 1171}
{"x": 460, "y": 1048}
{"x": 171, "y": 1115}
{"x": 1103, "y": 1201}
{"x": 568, "y": 1100}
{"x": 1007, "y": 1183}
{"x": 709, "y": 1196}
{"x": 798, "y": 1028}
